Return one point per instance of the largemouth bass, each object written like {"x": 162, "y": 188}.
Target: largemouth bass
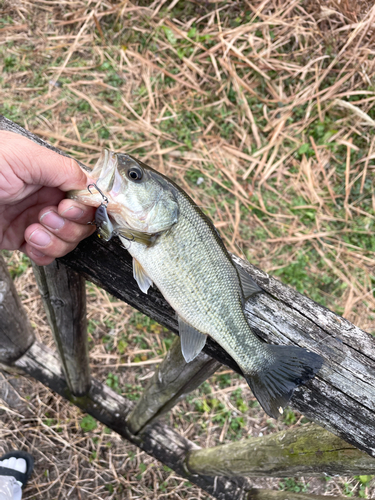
{"x": 176, "y": 247}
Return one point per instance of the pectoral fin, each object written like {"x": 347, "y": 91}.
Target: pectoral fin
{"x": 249, "y": 286}
{"x": 144, "y": 238}
{"x": 144, "y": 282}
{"x": 192, "y": 341}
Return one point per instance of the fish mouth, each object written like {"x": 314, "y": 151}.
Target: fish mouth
{"x": 102, "y": 177}
{"x": 154, "y": 214}
{"x": 109, "y": 178}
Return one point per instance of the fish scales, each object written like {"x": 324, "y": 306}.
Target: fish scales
{"x": 176, "y": 247}
{"x": 197, "y": 277}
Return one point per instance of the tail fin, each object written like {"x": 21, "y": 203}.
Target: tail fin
{"x": 287, "y": 367}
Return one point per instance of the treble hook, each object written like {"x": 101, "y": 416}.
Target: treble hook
{"x": 123, "y": 235}
{"x": 102, "y": 194}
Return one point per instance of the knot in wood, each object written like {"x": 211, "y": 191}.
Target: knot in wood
{"x": 56, "y": 302}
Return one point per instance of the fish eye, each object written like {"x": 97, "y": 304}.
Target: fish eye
{"x": 135, "y": 173}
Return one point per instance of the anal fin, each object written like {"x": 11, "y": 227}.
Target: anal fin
{"x": 144, "y": 282}
{"x": 192, "y": 341}
{"x": 249, "y": 287}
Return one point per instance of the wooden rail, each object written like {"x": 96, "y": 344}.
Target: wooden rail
{"x": 64, "y": 297}
{"x": 16, "y": 334}
{"x": 341, "y": 398}
{"x": 308, "y": 450}
{"x": 172, "y": 380}
{"x": 157, "y": 439}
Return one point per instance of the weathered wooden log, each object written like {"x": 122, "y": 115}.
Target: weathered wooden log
{"x": 158, "y": 440}
{"x": 16, "y": 333}
{"x": 341, "y": 398}
{"x": 64, "y": 297}
{"x": 172, "y": 380}
{"x": 308, "y": 450}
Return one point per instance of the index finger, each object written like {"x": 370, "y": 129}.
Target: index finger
{"x": 75, "y": 211}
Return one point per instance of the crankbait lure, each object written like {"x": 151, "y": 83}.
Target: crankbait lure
{"x": 103, "y": 224}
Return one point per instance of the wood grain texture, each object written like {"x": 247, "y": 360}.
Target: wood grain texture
{"x": 172, "y": 380}
{"x": 16, "y": 334}
{"x": 307, "y": 450}
{"x": 341, "y": 398}
{"x": 64, "y": 297}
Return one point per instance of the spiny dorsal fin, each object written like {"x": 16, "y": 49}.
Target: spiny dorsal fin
{"x": 249, "y": 287}
{"x": 192, "y": 341}
{"x": 144, "y": 282}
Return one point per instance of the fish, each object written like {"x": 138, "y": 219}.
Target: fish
{"x": 176, "y": 248}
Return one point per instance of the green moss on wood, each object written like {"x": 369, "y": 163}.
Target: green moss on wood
{"x": 309, "y": 449}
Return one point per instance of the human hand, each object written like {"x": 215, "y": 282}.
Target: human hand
{"x": 34, "y": 216}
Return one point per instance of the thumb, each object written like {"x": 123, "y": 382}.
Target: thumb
{"x": 38, "y": 165}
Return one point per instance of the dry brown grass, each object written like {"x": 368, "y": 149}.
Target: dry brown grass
{"x": 271, "y": 103}
{"x": 350, "y": 10}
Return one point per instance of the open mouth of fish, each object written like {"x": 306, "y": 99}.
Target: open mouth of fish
{"x": 108, "y": 181}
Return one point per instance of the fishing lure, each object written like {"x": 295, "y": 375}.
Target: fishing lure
{"x": 102, "y": 221}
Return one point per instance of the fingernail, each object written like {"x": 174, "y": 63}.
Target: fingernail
{"x": 52, "y": 220}
{"x": 36, "y": 252}
{"x": 40, "y": 238}
{"x": 73, "y": 213}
